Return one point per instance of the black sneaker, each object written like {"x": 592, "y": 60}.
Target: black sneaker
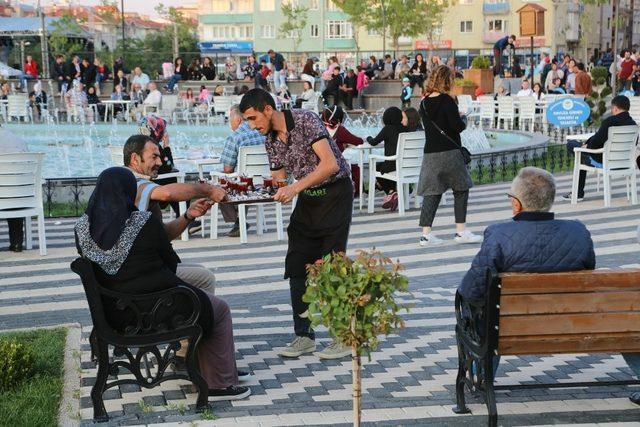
{"x": 16, "y": 248}
{"x": 568, "y": 197}
{"x": 195, "y": 227}
{"x": 244, "y": 375}
{"x": 235, "y": 231}
{"x": 233, "y": 392}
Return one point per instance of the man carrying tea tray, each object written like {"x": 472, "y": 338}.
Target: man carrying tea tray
{"x": 299, "y": 144}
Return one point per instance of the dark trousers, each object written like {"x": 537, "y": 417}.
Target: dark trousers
{"x": 430, "y": 205}
{"x": 301, "y": 325}
{"x": 384, "y": 184}
{"x": 326, "y": 94}
{"x": 346, "y": 98}
{"x": 585, "y": 159}
{"x": 497, "y": 62}
{"x": 16, "y": 233}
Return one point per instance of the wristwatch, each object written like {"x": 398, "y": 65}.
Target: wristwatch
{"x": 185, "y": 216}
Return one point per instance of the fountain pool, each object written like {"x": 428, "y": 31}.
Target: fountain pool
{"x": 75, "y": 150}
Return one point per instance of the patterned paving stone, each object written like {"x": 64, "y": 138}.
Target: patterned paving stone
{"x": 409, "y": 380}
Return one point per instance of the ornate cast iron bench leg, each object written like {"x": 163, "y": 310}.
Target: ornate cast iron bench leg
{"x": 194, "y": 374}
{"x": 99, "y": 411}
{"x": 461, "y": 406}
{"x": 489, "y": 393}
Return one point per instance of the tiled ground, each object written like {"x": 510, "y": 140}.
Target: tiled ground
{"x": 409, "y": 380}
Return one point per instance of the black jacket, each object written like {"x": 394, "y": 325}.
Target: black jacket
{"x": 88, "y": 74}
{"x": 443, "y": 111}
{"x": 333, "y": 85}
{"x": 597, "y": 141}
{"x": 58, "y": 70}
{"x": 389, "y": 135}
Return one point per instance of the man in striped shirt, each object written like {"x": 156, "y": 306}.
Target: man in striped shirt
{"x": 142, "y": 156}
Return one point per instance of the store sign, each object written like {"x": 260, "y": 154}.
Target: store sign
{"x": 426, "y": 45}
{"x": 232, "y": 47}
{"x": 568, "y": 112}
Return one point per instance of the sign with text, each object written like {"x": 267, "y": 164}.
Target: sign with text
{"x": 568, "y": 112}
{"x": 437, "y": 44}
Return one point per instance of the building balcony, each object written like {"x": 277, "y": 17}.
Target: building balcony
{"x": 339, "y": 44}
{"x": 492, "y": 36}
{"x": 229, "y": 18}
{"x": 496, "y": 8}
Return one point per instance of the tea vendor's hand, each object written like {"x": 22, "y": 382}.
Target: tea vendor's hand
{"x": 198, "y": 208}
{"x": 286, "y": 194}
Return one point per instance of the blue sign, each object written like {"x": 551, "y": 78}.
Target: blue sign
{"x": 237, "y": 47}
{"x": 568, "y": 112}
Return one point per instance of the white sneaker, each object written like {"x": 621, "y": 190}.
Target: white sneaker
{"x": 298, "y": 347}
{"x": 467, "y": 237}
{"x": 335, "y": 350}
{"x": 430, "y": 240}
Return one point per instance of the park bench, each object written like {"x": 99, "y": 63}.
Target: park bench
{"x": 591, "y": 311}
{"x": 150, "y": 334}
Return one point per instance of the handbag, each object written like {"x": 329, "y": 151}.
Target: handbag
{"x": 466, "y": 155}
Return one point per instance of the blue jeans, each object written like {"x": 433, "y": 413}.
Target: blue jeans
{"x": 173, "y": 80}
{"x": 23, "y": 80}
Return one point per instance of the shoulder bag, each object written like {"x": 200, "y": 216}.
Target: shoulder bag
{"x": 466, "y": 155}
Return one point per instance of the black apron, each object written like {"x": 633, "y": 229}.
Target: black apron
{"x": 319, "y": 225}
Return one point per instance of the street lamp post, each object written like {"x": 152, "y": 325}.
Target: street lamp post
{"x": 384, "y": 29}
{"x": 44, "y": 48}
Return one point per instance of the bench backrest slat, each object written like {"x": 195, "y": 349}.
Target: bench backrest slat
{"x": 571, "y": 312}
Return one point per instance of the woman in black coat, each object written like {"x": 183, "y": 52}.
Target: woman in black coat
{"x": 392, "y": 120}
{"x": 131, "y": 253}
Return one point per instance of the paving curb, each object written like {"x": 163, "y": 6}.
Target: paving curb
{"x": 69, "y": 410}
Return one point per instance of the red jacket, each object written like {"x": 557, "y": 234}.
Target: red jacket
{"x": 343, "y": 137}
{"x": 626, "y": 68}
{"x": 31, "y": 68}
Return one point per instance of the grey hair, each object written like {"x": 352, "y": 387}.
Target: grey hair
{"x": 535, "y": 188}
{"x": 235, "y": 109}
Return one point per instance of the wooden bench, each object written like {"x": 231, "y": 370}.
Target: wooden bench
{"x": 151, "y": 333}
{"x": 592, "y": 311}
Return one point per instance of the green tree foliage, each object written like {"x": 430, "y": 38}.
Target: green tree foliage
{"x": 59, "y": 43}
{"x": 295, "y": 22}
{"x": 397, "y": 18}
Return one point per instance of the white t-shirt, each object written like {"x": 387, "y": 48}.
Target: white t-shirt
{"x": 524, "y": 92}
{"x": 153, "y": 98}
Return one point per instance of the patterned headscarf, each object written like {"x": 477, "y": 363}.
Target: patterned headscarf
{"x": 153, "y": 126}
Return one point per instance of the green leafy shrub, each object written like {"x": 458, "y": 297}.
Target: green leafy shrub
{"x": 600, "y": 81}
{"x": 598, "y": 73}
{"x": 594, "y": 95}
{"x": 17, "y": 363}
{"x": 465, "y": 83}
{"x": 481, "y": 62}
{"x": 605, "y": 92}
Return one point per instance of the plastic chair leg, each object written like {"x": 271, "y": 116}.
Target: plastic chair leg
{"x": 242, "y": 217}
{"x": 29, "y": 232}
{"x": 214, "y": 222}
{"x": 42, "y": 239}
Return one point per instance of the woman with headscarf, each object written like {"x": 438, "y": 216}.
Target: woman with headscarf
{"x": 332, "y": 117}
{"x": 131, "y": 254}
{"x": 392, "y": 120}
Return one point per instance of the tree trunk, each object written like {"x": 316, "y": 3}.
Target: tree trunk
{"x": 357, "y": 387}
{"x": 355, "y": 375}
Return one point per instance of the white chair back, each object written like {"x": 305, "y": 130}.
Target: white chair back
{"x": 634, "y": 110}
{"x": 17, "y": 106}
{"x": 221, "y": 104}
{"x": 527, "y": 108}
{"x": 253, "y": 160}
{"x": 505, "y": 107}
{"x": 116, "y": 154}
{"x": 169, "y": 104}
{"x": 464, "y": 102}
{"x": 620, "y": 148}
{"x": 21, "y": 181}
{"x": 487, "y": 108}
{"x": 409, "y": 156}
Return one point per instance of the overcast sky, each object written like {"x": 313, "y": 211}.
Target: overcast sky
{"x": 145, "y": 7}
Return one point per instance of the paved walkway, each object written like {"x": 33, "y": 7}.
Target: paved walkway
{"x": 408, "y": 381}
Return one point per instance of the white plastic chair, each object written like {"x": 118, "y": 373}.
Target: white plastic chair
{"x": 527, "y": 112}
{"x": 221, "y": 104}
{"x": 618, "y": 160}
{"x": 487, "y": 110}
{"x": 21, "y": 192}
{"x": 17, "y": 107}
{"x": 117, "y": 159}
{"x": 408, "y": 160}
{"x": 252, "y": 161}
{"x": 634, "y": 110}
{"x": 465, "y": 103}
{"x": 506, "y": 111}
{"x": 311, "y": 104}
{"x": 168, "y": 105}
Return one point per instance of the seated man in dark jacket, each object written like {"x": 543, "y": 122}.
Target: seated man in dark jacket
{"x": 619, "y": 117}
{"x": 533, "y": 242}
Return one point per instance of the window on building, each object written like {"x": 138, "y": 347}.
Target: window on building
{"x": 466, "y": 26}
{"x": 292, "y": 3}
{"x": 243, "y": 6}
{"x": 339, "y": 30}
{"x": 315, "y": 30}
{"x": 373, "y": 32}
{"x": 268, "y": 31}
{"x": 220, "y": 5}
{"x": 498, "y": 25}
{"x": 267, "y": 5}
{"x": 330, "y": 5}
{"x": 313, "y": 5}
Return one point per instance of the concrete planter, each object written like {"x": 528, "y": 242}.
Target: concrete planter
{"x": 482, "y": 78}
